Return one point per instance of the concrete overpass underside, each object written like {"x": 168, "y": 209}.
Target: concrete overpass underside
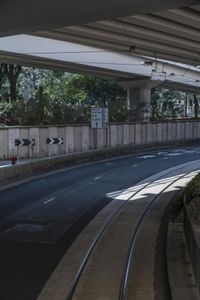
{"x": 167, "y": 29}
{"x": 115, "y": 39}
{"x": 170, "y": 34}
{"x": 135, "y": 73}
{"x": 128, "y": 69}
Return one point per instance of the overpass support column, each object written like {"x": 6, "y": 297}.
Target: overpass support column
{"x": 139, "y": 101}
{"x": 139, "y": 98}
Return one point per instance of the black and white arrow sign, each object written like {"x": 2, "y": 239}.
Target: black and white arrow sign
{"x": 25, "y": 142}
{"x": 55, "y": 141}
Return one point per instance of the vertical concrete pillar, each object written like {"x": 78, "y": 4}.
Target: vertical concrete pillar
{"x": 61, "y": 134}
{"x": 100, "y": 138}
{"x": 119, "y": 135}
{"x": 78, "y": 138}
{"x": 132, "y": 134}
{"x": 13, "y": 133}
{"x": 4, "y": 144}
{"x": 43, "y": 135}
{"x": 53, "y": 133}
{"x": 139, "y": 99}
{"x": 34, "y": 134}
{"x": 126, "y": 140}
{"x": 69, "y": 139}
{"x": 113, "y": 135}
{"x": 85, "y": 138}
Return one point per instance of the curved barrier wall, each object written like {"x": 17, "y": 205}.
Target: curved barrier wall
{"x": 81, "y": 138}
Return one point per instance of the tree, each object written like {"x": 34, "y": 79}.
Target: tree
{"x": 196, "y": 106}
{"x": 67, "y": 97}
{"x": 11, "y": 72}
{"x": 167, "y": 104}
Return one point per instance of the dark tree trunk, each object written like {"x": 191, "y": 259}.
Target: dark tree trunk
{"x": 1, "y": 76}
{"x": 196, "y": 106}
{"x": 12, "y": 73}
{"x": 186, "y": 105}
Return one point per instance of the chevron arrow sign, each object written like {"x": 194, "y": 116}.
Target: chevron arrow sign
{"x": 55, "y": 141}
{"x": 25, "y": 142}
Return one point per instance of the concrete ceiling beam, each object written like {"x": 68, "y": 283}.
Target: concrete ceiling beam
{"x": 24, "y": 16}
{"x": 146, "y": 33}
{"x": 110, "y": 46}
{"x": 152, "y": 46}
{"x": 167, "y": 26}
{"x": 187, "y": 13}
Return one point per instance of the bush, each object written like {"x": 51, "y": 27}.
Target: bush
{"x": 192, "y": 194}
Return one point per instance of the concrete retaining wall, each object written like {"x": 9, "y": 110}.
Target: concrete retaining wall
{"x": 80, "y": 138}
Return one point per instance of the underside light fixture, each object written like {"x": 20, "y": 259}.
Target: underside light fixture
{"x": 132, "y": 48}
{"x": 158, "y": 76}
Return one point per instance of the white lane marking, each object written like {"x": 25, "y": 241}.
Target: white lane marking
{"x": 175, "y": 154}
{"x": 134, "y": 166}
{"x": 163, "y": 153}
{"x": 146, "y": 156}
{"x": 48, "y": 201}
{"x": 191, "y": 151}
{"x": 96, "y": 178}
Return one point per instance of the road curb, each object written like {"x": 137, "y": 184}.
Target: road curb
{"x": 181, "y": 278}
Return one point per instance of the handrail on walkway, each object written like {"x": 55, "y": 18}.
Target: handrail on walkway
{"x": 192, "y": 243}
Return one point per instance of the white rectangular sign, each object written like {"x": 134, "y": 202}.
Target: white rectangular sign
{"x": 104, "y": 117}
{"x": 99, "y": 117}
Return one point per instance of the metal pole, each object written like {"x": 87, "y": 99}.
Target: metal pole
{"x": 49, "y": 150}
{"x": 106, "y": 135}
{"x": 18, "y": 153}
{"x": 95, "y": 136}
{"x": 31, "y": 152}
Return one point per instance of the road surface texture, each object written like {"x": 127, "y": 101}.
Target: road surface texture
{"x": 41, "y": 218}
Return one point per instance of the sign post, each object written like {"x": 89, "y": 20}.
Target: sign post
{"x": 24, "y": 143}
{"x": 105, "y": 123}
{"x": 54, "y": 141}
{"x": 99, "y": 119}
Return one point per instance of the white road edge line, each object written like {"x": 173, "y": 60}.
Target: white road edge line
{"x": 46, "y": 202}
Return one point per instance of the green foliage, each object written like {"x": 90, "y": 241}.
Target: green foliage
{"x": 192, "y": 189}
{"x": 5, "y": 110}
{"x": 167, "y": 104}
{"x": 192, "y": 196}
{"x": 67, "y": 98}
{"x": 53, "y": 97}
{"x": 192, "y": 193}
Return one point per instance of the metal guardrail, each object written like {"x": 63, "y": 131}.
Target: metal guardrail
{"x": 193, "y": 244}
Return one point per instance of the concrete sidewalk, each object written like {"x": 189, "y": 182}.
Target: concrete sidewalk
{"x": 182, "y": 282}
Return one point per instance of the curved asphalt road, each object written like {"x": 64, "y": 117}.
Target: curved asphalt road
{"x": 40, "y": 219}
